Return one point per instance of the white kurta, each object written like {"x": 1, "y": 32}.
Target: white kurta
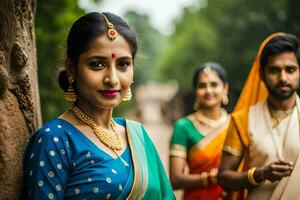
{"x": 268, "y": 145}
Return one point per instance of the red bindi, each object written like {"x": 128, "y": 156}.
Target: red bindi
{"x": 113, "y": 55}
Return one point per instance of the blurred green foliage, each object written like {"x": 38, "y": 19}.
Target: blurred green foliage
{"x": 146, "y": 58}
{"x": 228, "y": 32}
{"x": 53, "y": 20}
{"x": 151, "y": 43}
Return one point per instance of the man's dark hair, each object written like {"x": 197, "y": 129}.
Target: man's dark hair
{"x": 280, "y": 44}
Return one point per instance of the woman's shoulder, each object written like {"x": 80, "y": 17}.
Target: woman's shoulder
{"x": 55, "y": 128}
{"x": 182, "y": 122}
{"x": 53, "y": 134}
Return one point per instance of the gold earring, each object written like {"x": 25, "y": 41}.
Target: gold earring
{"x": 128, "y": 95}
{"x": 196, "y": 106}
{"x": 71, "y": 95}
{"x": 225, "y": 100}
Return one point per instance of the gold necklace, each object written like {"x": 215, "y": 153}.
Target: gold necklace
{"x": 202, "y": 119}
{"x": 109, "y": 138}
{"x": 278, "y": 115}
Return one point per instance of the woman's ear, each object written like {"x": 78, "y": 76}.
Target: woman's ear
{"x": 226, "y": 88}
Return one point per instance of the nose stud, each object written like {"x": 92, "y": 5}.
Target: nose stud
{"x": 106, "y": 79}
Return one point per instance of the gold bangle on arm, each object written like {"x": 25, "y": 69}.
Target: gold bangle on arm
{"x": 251, "y": 179}
{"x": 204, "y": 179}
{"x": 213, "y": 176}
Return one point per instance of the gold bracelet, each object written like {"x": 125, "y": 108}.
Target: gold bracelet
{"x": 250, "y": 175}
{"x": 213, "y": 176}
{"x": 204, "y": 179}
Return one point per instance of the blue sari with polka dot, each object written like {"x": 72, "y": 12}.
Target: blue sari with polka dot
{"x": 60, "y": 162}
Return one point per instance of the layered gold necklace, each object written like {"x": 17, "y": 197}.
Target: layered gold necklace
{"x": 278, "y": 115}
{"x": 109, "y": 138}
{"x": 213, "y": 124}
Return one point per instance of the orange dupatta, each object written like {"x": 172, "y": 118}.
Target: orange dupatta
{"x": 253, "y": 92}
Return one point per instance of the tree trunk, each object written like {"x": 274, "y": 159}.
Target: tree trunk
{"x": 19, "y": 95}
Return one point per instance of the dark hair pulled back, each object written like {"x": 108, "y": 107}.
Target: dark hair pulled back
{"x": 221, "y": 73}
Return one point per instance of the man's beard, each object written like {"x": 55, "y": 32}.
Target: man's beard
{"x": 274, "y": 92}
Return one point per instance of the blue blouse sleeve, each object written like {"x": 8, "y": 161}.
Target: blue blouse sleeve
{"x": 46, "y": 164}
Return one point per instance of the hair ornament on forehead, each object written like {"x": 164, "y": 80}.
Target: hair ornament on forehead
{"x": 207, "y": 70}
{"x": 111, "y": 33}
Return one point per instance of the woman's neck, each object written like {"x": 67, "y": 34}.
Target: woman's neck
{"x": 102, "y": 117}
{"x": 213, "y": 113}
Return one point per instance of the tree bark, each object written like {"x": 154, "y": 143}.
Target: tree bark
{"x": 19, "y": 95}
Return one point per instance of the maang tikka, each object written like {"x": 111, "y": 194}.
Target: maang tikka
{"x": 207, "y": 70}
{"x": 111, "y": 33}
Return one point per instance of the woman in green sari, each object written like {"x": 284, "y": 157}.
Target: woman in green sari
{"x": 198, "y": 138}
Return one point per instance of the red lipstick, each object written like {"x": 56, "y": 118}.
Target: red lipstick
{"x": 110, "y": 93}
{"x": 208, "y": 97}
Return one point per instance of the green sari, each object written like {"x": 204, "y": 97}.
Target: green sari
{"x": 202, "y": 154}
{"x": 150, "y": 179}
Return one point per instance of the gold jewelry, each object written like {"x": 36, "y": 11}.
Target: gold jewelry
{"x": 196, "y": 105}
{"x": 128, "y": 95}
{"x": 202, "y": 119}
{"x": 204, "y": 179}
{"x": 278, "y": 115}
{"x": 111, "y": 33}
{"x": 109, "y": 138}
{"x": 106, "y": 79}
{"x": 207, "y": 70}
{"x": 213, "y": 176}
{"x": 250, "y": 175}
{"x": 225, "y": 100}
{"x": 70, "y": 95}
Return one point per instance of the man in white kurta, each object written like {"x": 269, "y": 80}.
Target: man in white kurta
{"x": 261, "y": 151}
{"x": 269, "y": 143}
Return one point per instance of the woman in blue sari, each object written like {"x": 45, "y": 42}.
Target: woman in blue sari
{"x": 85, "y": 153}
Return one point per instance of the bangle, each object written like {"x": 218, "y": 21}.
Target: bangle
{"x": 213, "y": 176}
{"x": 204, "y": 179}
{"x": 262, "y": 176}
{"x": 250, "y": 175}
